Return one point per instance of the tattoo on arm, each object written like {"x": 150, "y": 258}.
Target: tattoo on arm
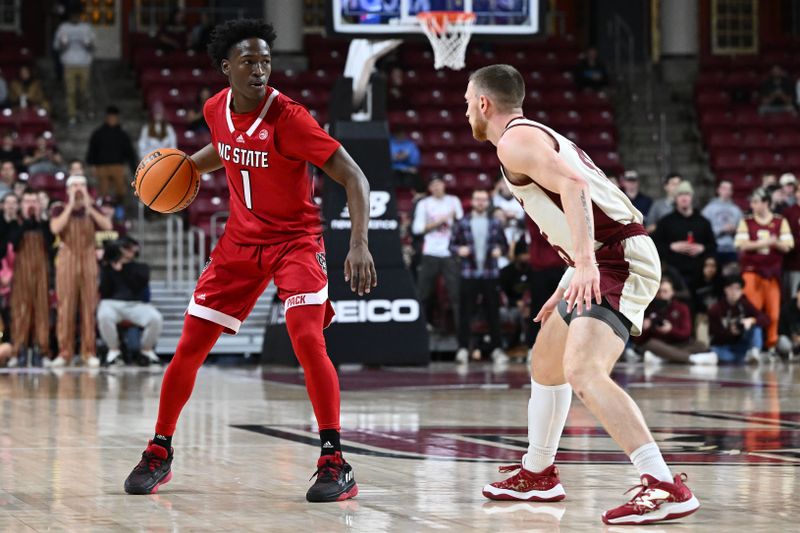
{"x": 587, "y": 214}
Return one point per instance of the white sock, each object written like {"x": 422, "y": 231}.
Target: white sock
{"x": 648, "y": 460}
{"x": 547, "y": 414}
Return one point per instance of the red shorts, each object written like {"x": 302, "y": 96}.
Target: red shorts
{"x": 236, "y": 276}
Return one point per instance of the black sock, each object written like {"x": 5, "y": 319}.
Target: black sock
{"x": 164, "y": 441}
{"x": 329, "y": 440}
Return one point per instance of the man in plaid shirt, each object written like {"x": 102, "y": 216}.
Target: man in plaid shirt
{"x": 478, "y": 241}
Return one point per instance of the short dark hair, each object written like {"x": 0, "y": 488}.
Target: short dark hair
{"x": 762, "y": 193}
{"x": 503, "y": 82}
{"x": 112, "y": 110}
{"x": 231, "y": 32}
{"x": 672, "y": 174}
{"x": 732, "y": 279}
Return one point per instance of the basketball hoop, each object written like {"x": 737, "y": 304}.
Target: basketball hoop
{"x": 449, "y": 33}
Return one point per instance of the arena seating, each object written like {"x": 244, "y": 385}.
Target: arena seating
{"x": 742, "y": 145}
{"x": 434, "y": 117}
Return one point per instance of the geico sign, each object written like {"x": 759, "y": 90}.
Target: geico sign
{"x": 354, "y": 311}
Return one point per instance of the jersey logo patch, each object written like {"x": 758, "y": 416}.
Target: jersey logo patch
{"x": 322, "y": 263}
{"x": 240, "y": 138}
{"x": 263, "y": 134}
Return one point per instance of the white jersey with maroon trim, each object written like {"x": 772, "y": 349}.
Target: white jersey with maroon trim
{"x": 615, "y": 217}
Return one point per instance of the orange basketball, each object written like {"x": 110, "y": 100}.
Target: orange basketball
{"x": 167, "y": 180}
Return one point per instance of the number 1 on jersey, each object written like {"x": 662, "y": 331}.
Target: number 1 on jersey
{"x": 248, "y": 200}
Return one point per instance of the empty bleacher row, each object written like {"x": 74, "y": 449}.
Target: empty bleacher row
{"x": 742, "y": 143}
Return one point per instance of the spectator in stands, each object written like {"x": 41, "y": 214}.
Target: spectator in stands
{"x": 44, "y": 204}
{"x": 76, "y": 168}
{"x": 173, "y": 34}
{"x": 788, "y": 183}
{"x": 76, "y": 271}
{"x": 109, "y": 150}
{"x": 19, "y": 187}
{"x": 479, "y": 241}
{"x": 26, "y": 91}
{"x": 30, "y": 302}
{"x": 43, "y": 158}
{"x": 157, "y": 133}
{"x": 663, "y": 206}
{"x": 8, "y": 176}
{"x": 3, "y": 90}
{"x": 74, "y": 41}
{"x": 9, "y": 228}
{"x": 630, "y": 185}
{"x": 124, "y": 296}
{"x": 591, "y": 73}
{"x": 769, "y": 179}
{"x": 405, "y": 159}
{"x": 9, "y": 151}
{"x": 194, "y": 117}
{"x": 776, "y": 93}
{"x": 724, "y": 216}
{"x": 736, "y": 326}
{"x": 684, "y": 237}
{"x": 762, "y": 239}
{"x": 791, "y": 261}
{"x": 512, "y": 231}
{"x": 667, "y": 332}
{"x": 200, "y": 34}
{"x": 434, "y": 217}
{"x": 396, "y": 97}
{"x": 515, "y": 282}
{"x": 709, "y": 290}
{"x": 503, "y": 199}
{"x": 789, "y": 329}
{"x": 777, "y": 199}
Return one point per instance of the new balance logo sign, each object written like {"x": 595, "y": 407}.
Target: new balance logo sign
{"x": 240, "y": 138}
{"x": 327, "y": 444}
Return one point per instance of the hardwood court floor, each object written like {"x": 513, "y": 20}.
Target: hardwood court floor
{"x": 422, "y": 442}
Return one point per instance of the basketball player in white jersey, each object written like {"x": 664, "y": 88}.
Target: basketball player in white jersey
{"x": 614, "y": 273}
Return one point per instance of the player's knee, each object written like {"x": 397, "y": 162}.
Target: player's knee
{"x": 580, "y": 376}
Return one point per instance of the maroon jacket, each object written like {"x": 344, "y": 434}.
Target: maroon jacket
{"x": 722, "y": 314}
{"x": 677, "y": 313}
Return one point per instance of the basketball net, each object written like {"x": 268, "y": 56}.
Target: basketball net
{"x": 449, "y": 33}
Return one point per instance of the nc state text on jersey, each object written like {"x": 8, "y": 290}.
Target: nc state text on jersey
{"x": 241, "y": 156}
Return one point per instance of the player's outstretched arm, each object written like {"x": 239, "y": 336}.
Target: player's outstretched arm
{"x": 530, "y": 152}
{"x": 359, "y": 268}
{"x": 207, "y": 159}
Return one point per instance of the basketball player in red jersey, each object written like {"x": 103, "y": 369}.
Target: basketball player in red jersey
{"x": 264, "y": 140}
{"x": 614, "y": 273}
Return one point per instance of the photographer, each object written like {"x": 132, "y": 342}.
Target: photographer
{"x": 32, "y": 243}
{"x": 737, "y": 328}
{"x": 124, "y": 293}
{"x": 667, "y": 332}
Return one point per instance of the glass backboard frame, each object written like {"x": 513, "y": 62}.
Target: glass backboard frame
{"x": 400, "y": 21}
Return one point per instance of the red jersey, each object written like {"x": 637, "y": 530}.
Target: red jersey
{"x": 265, "y": 155}
{"x": 767, "y": 261}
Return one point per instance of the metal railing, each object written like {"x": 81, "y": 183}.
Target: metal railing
{"x": 186, "y": 253}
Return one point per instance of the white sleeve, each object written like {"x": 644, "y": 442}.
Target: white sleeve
{"x": 566, "y": 278}
{"x": 172, "y": 138}
{"x": 143, "y": 141}
{"x": 418, "y": 226}
{"x": 459, "y": 208}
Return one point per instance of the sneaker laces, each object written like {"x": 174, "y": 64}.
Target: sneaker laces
{"x": 642, "y": 501}
{"x": 151, "y": 461}
{"x": 328, "y": 471}
{"x": 509, "y": 468}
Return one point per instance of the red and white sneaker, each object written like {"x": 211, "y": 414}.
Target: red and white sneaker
{"x": 544, "y": 486}
{"x": 656, "y": 501}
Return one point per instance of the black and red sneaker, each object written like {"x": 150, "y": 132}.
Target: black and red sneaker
{"x": 153, "y": 470}
{"x": 335, "y": 481}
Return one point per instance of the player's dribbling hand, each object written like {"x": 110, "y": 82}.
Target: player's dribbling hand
{"x": 359, "y": 270}
{"x": 585, "y": 284}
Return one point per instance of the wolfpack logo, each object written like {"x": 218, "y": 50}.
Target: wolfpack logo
{"x": 378, "y": 204}
{"x": 263, "y": 134}
{"x": 357, "y": 311}
{"x": 300, "y": 299}
{"x": 322, "y": 262}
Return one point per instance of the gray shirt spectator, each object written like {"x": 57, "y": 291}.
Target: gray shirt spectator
{"x": 724, "y": 216}
{"x": 663, "y": 206}
{"x": 74, "y": 41}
